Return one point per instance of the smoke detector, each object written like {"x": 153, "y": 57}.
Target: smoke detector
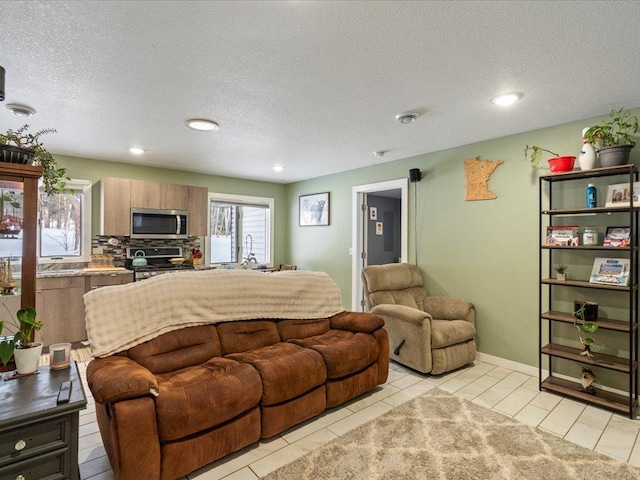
{"x": 20, "y": 110}
{"x": 407, "y": 117}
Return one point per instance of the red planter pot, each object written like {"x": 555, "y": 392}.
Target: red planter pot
{"x": 561, "y": 164}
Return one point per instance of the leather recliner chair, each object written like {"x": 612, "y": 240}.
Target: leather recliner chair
{"x": 429, "y": 334}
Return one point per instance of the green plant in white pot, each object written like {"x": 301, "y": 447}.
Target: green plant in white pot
{"x": 614, "y": 136}
{"x": 25, "y": 352}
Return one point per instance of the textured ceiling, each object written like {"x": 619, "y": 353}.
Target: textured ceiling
{"x": 314, "y": 86}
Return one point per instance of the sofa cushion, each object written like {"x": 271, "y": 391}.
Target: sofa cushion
{"x": 287, "y": 370}
{"x": 246, "y": 335}
{"x": 178, "y": 349}
{"x": 302, "y": 328}
{"x": 343, "y": 352}
{"x": 450, "y": 332}
{"x": 200, "y": 397}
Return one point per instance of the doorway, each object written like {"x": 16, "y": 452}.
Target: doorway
{"x": 375, "y": 237}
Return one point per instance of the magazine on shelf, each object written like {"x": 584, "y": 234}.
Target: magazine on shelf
{"x": 617, "y": 237}
{"x": 562, "y": 236}
{"x": 610, "y": 271}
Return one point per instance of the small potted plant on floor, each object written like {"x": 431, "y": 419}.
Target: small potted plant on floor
{"x": 557, "y": 163}
{"x": 22, "y": 147}
{"x": 561, "y": 272}
{"x": 614, "y": 136}
{"x": 25, "y": 352}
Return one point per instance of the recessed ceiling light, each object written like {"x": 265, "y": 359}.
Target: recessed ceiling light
{"x": 506, "y": 99}
{"x": 278, "y": 168}
{"x": 136, "y": 150}
{"x": 407, "y": 117}
{"x": 379, "y": 153}
{"x": 20, "y": 110}
{"x": 202, "y": 124}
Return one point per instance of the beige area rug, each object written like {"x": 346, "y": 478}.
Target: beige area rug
{"x": 441, "y": 436}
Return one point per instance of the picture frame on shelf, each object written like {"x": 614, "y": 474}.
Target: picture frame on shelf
{"x": 314, "y": 210}
{"x": 617, "y": 237}
{"x": 610, "y": 271}
{"x": 562, "y": 236}
{"x": 619, "y": 195}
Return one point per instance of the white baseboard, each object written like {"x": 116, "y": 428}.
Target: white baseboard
{"x": 510, "y": 364}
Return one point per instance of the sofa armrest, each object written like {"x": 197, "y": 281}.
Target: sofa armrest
{"x": 357, "y": 322}
{"x": 448, "y": 308}
{"x": 402, "y": 312}
{"x": 117, "y": 378}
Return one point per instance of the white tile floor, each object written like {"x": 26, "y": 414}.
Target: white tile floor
{"x": 508, "y": 392}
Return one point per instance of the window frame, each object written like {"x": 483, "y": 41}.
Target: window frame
{"x": 85, "y": 257}
{"x": 241, "y": 200}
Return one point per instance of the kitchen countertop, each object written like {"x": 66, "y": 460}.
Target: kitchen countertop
{"x": 81, "y": 272}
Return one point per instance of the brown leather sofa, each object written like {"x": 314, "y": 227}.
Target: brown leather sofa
{"x": 193, "y": 395}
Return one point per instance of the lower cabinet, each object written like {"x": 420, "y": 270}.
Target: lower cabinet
{"x": 60, "y": 308}
{"x": 60, "y": 305}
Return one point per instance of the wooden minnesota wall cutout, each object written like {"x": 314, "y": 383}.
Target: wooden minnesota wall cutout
{"x": 477, "y": 173}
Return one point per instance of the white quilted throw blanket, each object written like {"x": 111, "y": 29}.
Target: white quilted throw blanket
{"x": 122, "y": 316}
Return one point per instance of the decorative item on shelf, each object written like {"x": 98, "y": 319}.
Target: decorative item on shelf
{"x": 613, "y": 136}
{"x": 10, "y": 213}
{"x": 610, "y": 271}
{"x": 195, "y": 258}
{"x": 587, "y": 310}
{"x": 590, "y": 236}
{"x": 562, "y": 236}
{"x": 621, "y": 195}
{"x": 25, "y": 148}
{"x": 25, "y": 352}
{"x": 557, "y": 164}
{"x": 7, "y": 283}
{"x": 592, "y": 196}
{"x": 561, "y": 272}
{"x": 584, "y": 326}
{"x": 587, "y": 157}
{"x": 60, "y": 356}
{"x": 617, "y": 237}
{"x": 587, "y": 379}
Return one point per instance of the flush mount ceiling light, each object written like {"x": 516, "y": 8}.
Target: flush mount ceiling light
{"x": 379, "y": 153}
{"x": 407, "y": 117}
{"x": 136, "y": 150}
{"x": 278, "y": 168}
{"x": 202, "y": 124}
{"x": 506, "y": 99}
{"x": 20, "y": 110}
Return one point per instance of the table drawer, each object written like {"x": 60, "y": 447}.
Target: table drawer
{"x": 51, "y": 466}
{"x": 35, "y": 439}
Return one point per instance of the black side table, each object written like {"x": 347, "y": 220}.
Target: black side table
{"x": 38, "y": 437}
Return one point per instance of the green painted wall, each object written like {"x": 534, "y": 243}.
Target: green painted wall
{"x": 94, "y": 170}
{"x": 483, "y": 251}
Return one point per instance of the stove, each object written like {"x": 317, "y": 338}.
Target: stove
{"x": 157, "y": 261}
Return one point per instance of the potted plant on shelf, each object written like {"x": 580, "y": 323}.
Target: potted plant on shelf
{"x": 22, "y": 147}
{"x": 614, "y": 136}
{"x": 25, "y": 352}
{"x": 584, "y": 326}
{"x": 557, "y": 163}
{"x": 10, "y": 221}
{"x": 561, "y": 272}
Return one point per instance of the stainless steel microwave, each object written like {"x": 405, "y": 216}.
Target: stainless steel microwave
{"x": 152, "y": 223}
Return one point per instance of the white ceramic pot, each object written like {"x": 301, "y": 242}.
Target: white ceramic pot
{"x": 27, "y": 359}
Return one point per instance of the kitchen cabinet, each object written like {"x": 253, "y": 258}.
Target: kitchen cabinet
{"x": 198, "y": 211}
{"x": 564, "y": 191}
{"x": 115, "y": 206}
{"x": 60, "y": 307}
{"x": 119, "y": 195}
{"x": 97, "y": 281}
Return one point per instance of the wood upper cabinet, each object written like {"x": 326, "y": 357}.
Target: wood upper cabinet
{"x": 198, "y": 211}
{"x": 120, "y": 195}
{"x": 115, "y": 206}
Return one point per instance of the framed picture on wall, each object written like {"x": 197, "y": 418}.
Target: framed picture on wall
{"x": 314, "y": 210}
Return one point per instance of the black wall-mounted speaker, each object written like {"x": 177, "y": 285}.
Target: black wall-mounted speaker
{"x": 415, "y": 175}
